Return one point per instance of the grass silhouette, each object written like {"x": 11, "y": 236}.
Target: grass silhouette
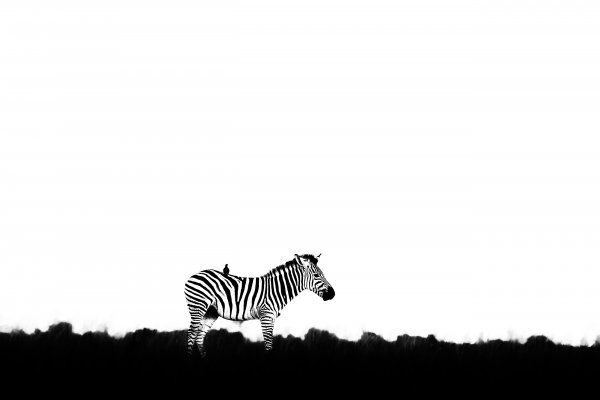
{"x": 150, "y": 362}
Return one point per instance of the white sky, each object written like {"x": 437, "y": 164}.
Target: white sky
{"x": 443, "y": 156}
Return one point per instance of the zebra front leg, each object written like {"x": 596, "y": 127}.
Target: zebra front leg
{"x": 267, "y": 322}
{"x": 209, "y": 319}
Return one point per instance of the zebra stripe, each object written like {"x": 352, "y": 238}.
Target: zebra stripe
{"x": 211, "y": 294}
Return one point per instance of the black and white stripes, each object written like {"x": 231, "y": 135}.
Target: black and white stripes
{"x": 211, "y": 294}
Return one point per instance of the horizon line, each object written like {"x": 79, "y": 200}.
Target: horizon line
{"x": 365, "y": 335}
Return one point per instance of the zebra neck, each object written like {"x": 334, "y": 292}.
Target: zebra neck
{"x": 285, "y": 283}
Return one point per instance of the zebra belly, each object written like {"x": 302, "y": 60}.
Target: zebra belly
{"x": 232, "y": 314}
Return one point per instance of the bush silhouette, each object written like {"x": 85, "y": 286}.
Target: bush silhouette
{"x": 149, "y": 362}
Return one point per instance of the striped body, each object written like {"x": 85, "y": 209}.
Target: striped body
{"x": 239, "y": 298}
{"x": 211, "y": 294}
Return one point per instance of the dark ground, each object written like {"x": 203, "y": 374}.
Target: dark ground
{"x": 143, "y": 362}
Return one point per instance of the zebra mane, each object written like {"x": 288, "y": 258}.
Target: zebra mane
{"x": 290, "y": 264}
{"x": 311, "y": 258}
{"x": 281, "y": 268}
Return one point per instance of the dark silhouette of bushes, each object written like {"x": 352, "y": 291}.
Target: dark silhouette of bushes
{"x": 150, "y": 362}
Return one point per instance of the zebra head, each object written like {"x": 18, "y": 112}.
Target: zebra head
{"x": 313, "y": 277}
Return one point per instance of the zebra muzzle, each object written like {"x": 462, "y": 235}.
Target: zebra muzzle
{"x": 329, "y": 294}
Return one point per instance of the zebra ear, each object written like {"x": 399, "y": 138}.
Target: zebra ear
{"x": 319, "y": 255}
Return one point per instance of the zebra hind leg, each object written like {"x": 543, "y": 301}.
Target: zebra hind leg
{"x": 197, "y": 314}
{"x": 209, "y": 319}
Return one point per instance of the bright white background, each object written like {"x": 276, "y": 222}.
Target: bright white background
{"x": 444, "y": 156}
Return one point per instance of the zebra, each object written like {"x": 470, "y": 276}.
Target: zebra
{"x": 211, "y": 294}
